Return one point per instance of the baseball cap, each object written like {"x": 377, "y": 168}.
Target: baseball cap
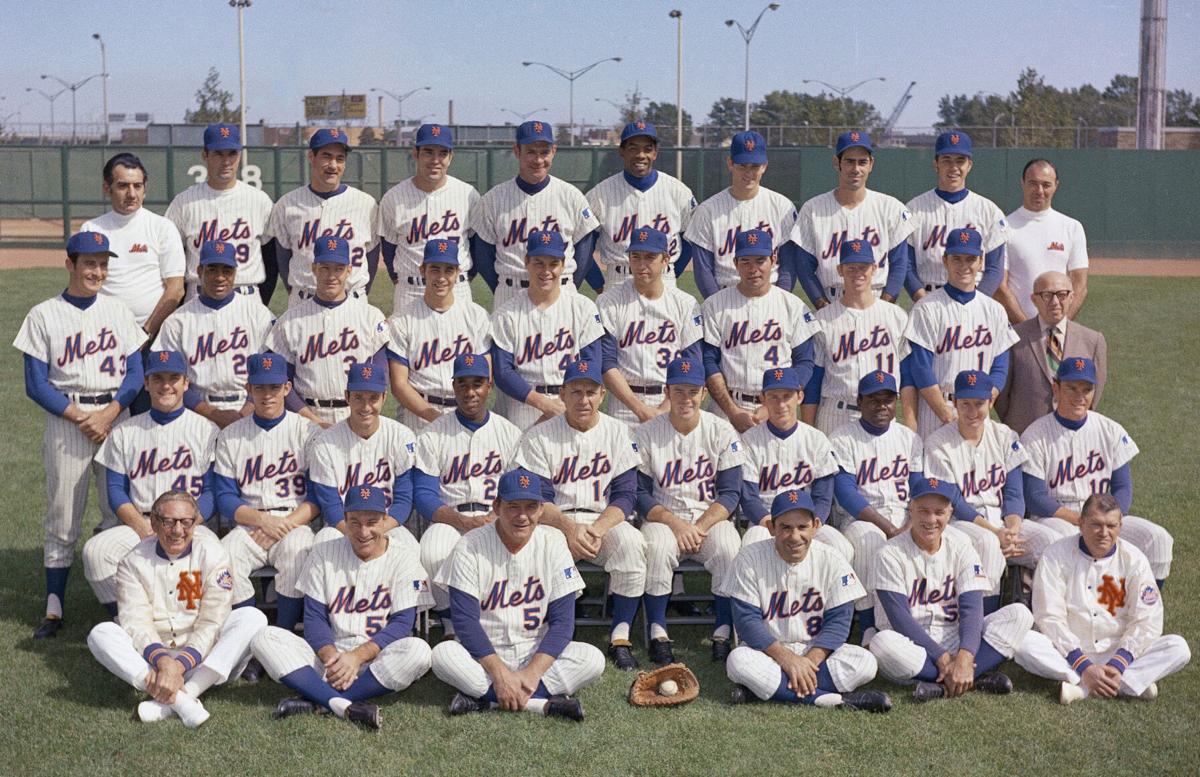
{"x": 266, "y": 369}
{"x": 217, "y": 252}
{"x": 545, "y": 243}
{"x": 434, "y": 135}
{"x": 333, "y": 249}
{"x": 441, "y": 252}
{"x": 856, "y": 252}
{"x": 972, "y": 384}
{"x": 470, "y": 365}
{"x": 685, "y": 372}
{"x": 222, "y": 137}
{"x": 752, "y": 242}
{"x": 88, "y": 243}
{"x": 647, "y": 239}
{"x": 748, "y": 148}
{"x": 639, "y": 128}
{"x": 964, "y": 241}
{"x": 533, "y": 131}
{"x": 327, "y": 137}
{"x": 852, "y": 139}
{"x": 874, "y": 382}
{"x": 370, "y": 498}
{"x": 581, "y": 369}
{"x": 786, "y": 501}
{"x": 937, "y": 486}
{"x": 953, "y": 142}
{"x": 781, "y": 378}
{"x": 520, "y": 483}
{"x": 165, "y": 361}
{"x": 365, "y": 376}
{"x": 1076, "y": 368}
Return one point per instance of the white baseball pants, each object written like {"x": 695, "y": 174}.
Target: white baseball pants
{"x": 850, "y": 666}
{"x": 901, "y": 659}
{"x": 1165, "y": 655}
{"x": 397, "y": 666}
{"x": 578, "y": 666}
{"x": 287, "y": 556}
{"x": 717, "y": 553}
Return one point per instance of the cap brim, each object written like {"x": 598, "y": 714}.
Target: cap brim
{"x": 223, "y": 146}
{"x": 749, "y": 159}
{"x": 869, "y": 149}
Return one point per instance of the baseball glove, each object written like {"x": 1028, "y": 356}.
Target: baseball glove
{"x": 645, "y": 689}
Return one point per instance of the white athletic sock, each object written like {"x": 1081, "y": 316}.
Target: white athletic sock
{"x": 536, "y": 705}
{"x": 828, "y": 700}
{"x": 620, "y": 632}
{"x": 189, "y": 709}
{"x": 201, "y": 680}
{"x": 658, "y": 632}
{"x": 53, "y": 606}
{"x": 339, "y": 705}
{"x": 151, "y": 711}
{"x": 722, "y": 632}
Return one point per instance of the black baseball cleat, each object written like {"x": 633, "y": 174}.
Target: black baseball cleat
{"x": 48, "y": 628}
{"x": 622, "y": 655}
{"x": 720, "y": 650}
{"x": 461, "y": 704}
{"x": 365, "y": 714}
{"x": 660, "y": 652}
{"x": 867, "y": 701}
{"x": 740, "y": 694}
{"x": 253, "y": 671}
{"x": 928, "y": 691}
{"x": 994, "y": 682}
{"x": 564, "y": 707}
{"x": 293, "y": 706}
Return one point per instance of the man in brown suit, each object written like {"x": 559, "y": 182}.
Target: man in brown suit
{"x": 1045, "y": 338}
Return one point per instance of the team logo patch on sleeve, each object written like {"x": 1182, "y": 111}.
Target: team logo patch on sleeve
{"x": 225, "y": 580}
{"x": 587, "y": 213}
{"x": 733, "y": 446}
{"x": 1150, "y": 595}
{"x": 421, "y": 586}
{"x": 635, "y": 448}
{"x": 979, "y": 572}
{"x": 696, "y": 320}
{"x": 848, "y": 579}
{"x": 1016, "y": 445}
{"x": 569, "y": 573}
{"x": 409, "y": 446}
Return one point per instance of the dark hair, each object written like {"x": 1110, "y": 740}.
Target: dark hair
{"x": 1038, "y": 161}
{"x": 1100, "y": 504}
{"x": 124, "y": 159}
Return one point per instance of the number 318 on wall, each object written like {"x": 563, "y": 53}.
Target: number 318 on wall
{"x": 251, "y": 174}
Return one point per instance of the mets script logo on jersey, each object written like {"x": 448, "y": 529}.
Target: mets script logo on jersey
{"x": 74, "y": 346}
{"x": 1067, "y": 471}
{"x": 661, "y": 222}
{"x": 255, "y": 469}
{"x": 422, "y": 229}
{"x": 938, "y": 234}
{"x": 191, "y": 588}
{"x": 741, "y": 333}
{"x": 946, "y": 596}
{"x": 571, "y": 471}
{"x": 139, "y": 248}
{"x": 463, "y": 469}
{"x": 209, "y": 347}
{"x": 1055, "y": 246}
{"x": 380, "y": 476}
{"x": 431, "y": 352}
{"x": 730, "y": 243}
{"x": 518, "y": 230}
{"x": 675, "y": 473}
{"x": 637, "y": 334}
{"x": 150, "y": 463}
{"x": 871, "y": 471}
{"x": 1112, "y": 594}
{"x": 318, "y": 348}
{"x": 954, "y": 340}
{"x": 850, "y": 344}
{"x": 779, "y": 606}
{"x": 500, "y": 597}
{"x": 311, "y": 231}
{"x": 993, "y": 480}
{"x": 210, "y": 229}
{"x": 535, "y": 349}
{"x": 776, "y": 478}
{"x": 347, "y": 600}
{"x": 834, "y": 249}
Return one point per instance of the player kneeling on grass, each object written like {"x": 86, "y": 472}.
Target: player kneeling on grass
{"x": 361, "y": 597}
{"x": 512, "y": 599}
{"x": 793, "y": 602}
{"x": 1097, "y": 604}
{"x": 178, "y": 636}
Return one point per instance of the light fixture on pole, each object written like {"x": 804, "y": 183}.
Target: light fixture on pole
{"x": 50, "y": 98}
{"x": 843, "y": 91}
{"x": 747, "y": 34}
{"x": 571, "y": 76}
{"x": 677, "y": 15}
{"x": 400, "y": 98}
{"x": 104, "y": 83}
{"x": 995, "y": 121}
{"x": 241, "y": 6}
{"x": 524, "y": 116}
{"x": 74, "y": 88}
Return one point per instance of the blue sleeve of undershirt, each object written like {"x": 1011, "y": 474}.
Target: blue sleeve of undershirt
{"x": 704, "y": 269}
{"x": 483, "y": 261}
{"x": 427, "y": 493}
{"x": 752, "y": 504}
{"x": 595, "y": 277}
{"x": 326, "y": 497}
{"x": 1038, "y": 500}
{"x": 895, "y": 606}
{"x": 822, "y": 495}
{"x": 786, "y": 279}
{"x": 993, "y": 271}
{"x": 729, "y": 487}
{"x": 132, "y": 382}
{"x": 283, "y": 258}
{"x": 645, "y": 494}
{"x": 1121, "y": 487}
{"x": 999, "y": 371}
{"x": 228, "y": 495}
{"x": 712, "y": 358}
{"x": 912, "y": 280}
{"x": 206, "y": 502}
{"x": 751, "y": 628}
{"x": 402, "y": 497}
{"x": 622, "y": 491}
{"x": 465, "y": 614}
{"x": 920, "y": 365}
{"x": 847, "y": 493}
{"x": 38, "y": 388}
{"x": 560, "y": 622}
{"x": 318, "y": 632}
{"x": 608, "y": 352}
{"x": 507, "y": 378}
{"x": 970, "y": 621}
{"x": 806, "y": 273}
{"x": 399, "y": 625}
{"x": 585, "y": 256}
{"x": 835, "y": 628}
{"x": 802, "y": 360}
{"x": 116, "y": 487}
{"x": 812, "y": 390}
{"x": 1012, "y": 496}
{"x": 897, "y": 269}
{"x": 685, "y": 256}
{"x": 389, "y": 259}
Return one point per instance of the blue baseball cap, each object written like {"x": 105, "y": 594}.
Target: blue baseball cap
{"x": 685, "y": 372}
{"x": 328, "y": 137}
{"x": 964, "y": 241}
{"x": 786, "y": 501}
{"x": 639, "y": 128}
{"x": 369, "y": 498}
{"x": 856, "y": 252}
{"x": 471, "y": 365}
{"x": 853, "y": 139}
{"x": 1076, "y": 368}
{"x": 165, "y": 361}
{"x": 222, "y": 137}
{"x": 520, "y": 483}
{"x": 331, "y": 248}
{"x": 545, "y": 243}
{"x": 953, "y": 142}
{"x": 581, "y": 369}
{"x": 365, "y": 376}
{"x": 266, "y": 369}
{"x": 752, "y": 242}
{"x": 972, "y": 384}
{"x": 781, "y": 378}
{"x": 943, "y": 488}
{"x": 748, "y": 148}
{"x": 441, "y": 252}
{"x": 874, "y": 382}
{"x": 647, "y": 239}
{"x": 218, "y": 252}
{"x": 533, "y": 131}
{"x": 88, "y": 243}
{"x": 434, "y": 135}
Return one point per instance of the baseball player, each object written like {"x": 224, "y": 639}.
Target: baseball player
{"x": 856, "y": 334}
{"x": 637, "y": 198}
{"x": 83, "y": 367}
{"x": 323, "y": 208}
{"x": 928, "y": 591}
{"x": 260, "y": 479}
{"x": 744, "y": 206}
{"x": 216, "y": 331}
{"x": 1075, "y": 452}
{"x": 851, "y": 212}
{"x": 588, "y": 465}
{"x": 648, "y": 323}
{"x": 322, "y": 335}
{"x": 431, "y": 205}
{"x": 225, "y": 209}
{"x": 460, "y": 458}
{"x": 689, "y": 481}
{"x": 751, "y": 327}
{"x": 169, "y": 448}
{"x": 149, "y": 276}
{"x": 793, "y": 605}
{"x": 429, "y": 333}
{"x": 177, "y": 637}
{"x": 784, "y": 454}
{"x": 1098, "y": 606}
{"x": 512, "y": 597}
{"x": 534, "y": 200}
{"x": 362, "y": 593}
{"x": 538, "y": 333}
{"x": 949, "y": 206}
{"x": 955, "y": 328}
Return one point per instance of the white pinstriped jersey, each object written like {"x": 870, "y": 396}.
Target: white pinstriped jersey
{"x": 430, "y": 340}
{"x": 581, "y": 465}
{"x": 684, "y": 467}
{"x": 960, "y": 337}
{"x": 650, "y": 333}
{"x": 793, "y": 598}
{"x": 932, "y": 582}
{"x": 880, "y": 464}
{"x": 339, "y": 458}
{"x": 755, "y": 333}
{"x": 506, "y": 215}
{"x": 270, "y": 466}
{"x": 360, "y": 595}
{"x": 933, "y": 218}
{"x": 783, "y": 463}
{"x": 1077, "y": 463}
{"x": 666, "y": 206}
{"x": 979, "y": 471}
{"x": 716, "y": 221}
{"x": 217, "y": 341}
{"x": 148, "y": 250}
{"x": 850, "y": 343}
{"x": 880, "y": 220}
{"x": 160, "y": 457}
{"x": 301, "y": 216}
{"x": 514, "y": 590}
{"x": 468, "y": 464}
{"x": 86, "y": 349}
{"x": 322, "y": 342}
{"x": 409, "y": 218}
{"x": 542, "y": 341}
{"x": 236, "y": 215}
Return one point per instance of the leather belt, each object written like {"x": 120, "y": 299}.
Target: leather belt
{"x": 338, "y": 403}
{"x": 525, "y": 284}
{"x": 933, "y": 286}
{"x": 225, "y": 397}
{"x": 442, "y": 401}
{"x": 754, "y": 399}
{"x": 473, "y": 507}
{"x": 842, "y": 405}
{"x": 419, "y": 281}
{"x": 547, "y": 389}
{"x": 92, "y": 399}
{"x": 655, "y": 390}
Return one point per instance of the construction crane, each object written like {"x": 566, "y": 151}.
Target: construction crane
{"x": 903, "y": 102}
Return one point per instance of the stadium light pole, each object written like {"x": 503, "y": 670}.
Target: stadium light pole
{"x": 844, "y": 91}
{"x": 400, "y": 98}
{"x": 996, "y": 120}
{"x": 747, "y": 34}
{"x": 524, "y": 116}
{"x": 241, "y": 6}
{"x": 50, "y": 98}
{"x": 74, "y": 88}
{"x": 571, "y": 76}
{"x": 677, "y": 15}
{"x": 104, "y": 83}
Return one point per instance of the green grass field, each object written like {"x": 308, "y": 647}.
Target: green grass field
{"x": 61, "y": 713}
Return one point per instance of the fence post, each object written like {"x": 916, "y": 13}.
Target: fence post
{"x": 65, "y": 157}
{"x": 170, "y": 172}
{"x": 489, "y": 169}
{"x": 383, "y": 171}
{"x": 275, "y": 159}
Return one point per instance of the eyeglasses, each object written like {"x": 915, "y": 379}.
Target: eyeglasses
{"x": 1046, "y": 296}
{"x": 171, "y": 523}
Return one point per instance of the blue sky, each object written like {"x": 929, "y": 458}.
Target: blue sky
{"x": 471, "y": 52}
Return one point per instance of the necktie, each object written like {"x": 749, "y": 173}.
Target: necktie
{"x": 1054, "y": 352}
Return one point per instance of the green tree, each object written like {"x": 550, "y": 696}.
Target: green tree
{"x": 726, "y": 113}
{"x": 213, "y": 104}
{"x": 663, "y": 116}
{"x": 796, "y": 112}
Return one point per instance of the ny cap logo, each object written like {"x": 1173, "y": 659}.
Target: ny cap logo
{"x": 972, "y": 379}
{"x": 190, "y": 589}
{"x": 778, "y": 374}
{"x": 855, "y": 137}
{"x": 334, "y": 133}
{"x": 954, "y": 140}
{"x": 545, "y": 237}
{"x": 793, "y": 497}
{"x": 537, "y": 126}
{"x": 331, "y": 245}
{"x": 752, "y": 238}
{"x": 964, "y": 238}
{"x": 163, "y": 356}
{"x": 435, "y": 130}
{"x": 641, "y": 125}
{"x": 442, "y": 248}
{"x": 96, "y": 236}
{"x": 856, "y": 246}
{"x": 224, "y": 132}
{"x": 366, "y": 372}
{"x": 933, "y": 482}
{"x": 469, "y": 360}
{"x": 219, "y": 248}
{"x": 879, "y": 377}
{"x": 266, "y": 362}
{"x": 524, "y": 481}
{"x": 364, "y": 493}
{"x": 643, "y": 236}
{"x": 1079, "y": 365}
{"x": 685, "y": 367}
{"x": 749, "y": 145}
{"x": 583, "y": 366}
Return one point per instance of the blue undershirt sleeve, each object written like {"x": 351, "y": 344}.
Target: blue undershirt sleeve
{"x": 847, "y": 493}
{"x": 895, "y": 605}
{"x": 1012, "y": 496}
{"x": 920, "y": 365}
{"x": 427, "y": 493}
{"x": 326, "y": 497}
{"x": 608, "y": 352}
{"x": 402, "y": 497}
{"x": 507, "y": 378}
{"x": 752, "y": 503}
{"x": 685, "y": 256}
{"x": 729, "y": 487}
{"x": 806, "y": 273}
{"x": 1121, "y": 487}
{"x": 560, "y": 622}
{"x": 712, "y": 358}
{"x": 645, "y": 494}
{"x": 802, "y": 360}
{"x": 595, "y": 277}
{"x": 822, "y": 496}
{"x": 389, "y": 259}
{"x": 704, "y": 268}
{"x": 132, "y": 382}
{"x": 399, "y": 625}
{"x": 970, "y": 621}
{"x": 318, "y": 632}
{"x": 483, "y": 261}
{"x": 283, "y": 257}
{"x": 897, "y": 269}
{"x": 999, "y": 371}
{"x": 228, "y": 496}
{"x": 993, "y": 272}
{"x": 912, "y": 280}
{"x": 751, "y": 629}
{"x": 835, "y": 628}
{"x": 206, "y": 502}
{"x": 585, "y": 256}
{"x": 786, "y": 279}
{"x": 622, "y": 491}
{"x": 465, "y": 614}
{"x": 116, "y": 488}
{"x": 38, "y": 388}
{"x": 812, "y": 390}
{"x": 1038, "y": 500}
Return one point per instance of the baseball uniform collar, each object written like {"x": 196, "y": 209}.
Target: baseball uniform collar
{"x": 269, "y": 423}
{"x": 162, "y": 418}
{"x": 952, "y": 197}
{"x": 1074, "y": 426}
{"x": 326, "y": 195}
{"x": 216, "y": 304}
{"x": 958, "y": 295}
{"x": 158, "y": 550}
{"x": 330, "y": 305}
{"x": 641, "y": 184}
{"x": 83, "y": 303}
{"x": 532, "y": 188}
{"x": 872, "y": 429}
{"x": 782, "y": 434}
{"x": 1084, "y": 549}
{"x": 474, "y": 426}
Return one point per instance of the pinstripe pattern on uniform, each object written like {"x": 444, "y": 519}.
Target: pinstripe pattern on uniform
{"x": 301, "y": 216}
{"x": 620, "y": 208}
{"x": 339, "y": 458}
{"x": 217, "y": 341}
{"x": 824, "y": 224}
{"x": 321, "y": 342}
{"x": 716, "y": 221}
{"x": 932, "y": 220}
{"x": 235, "y": 215}
{"x": 754, "y": 333}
